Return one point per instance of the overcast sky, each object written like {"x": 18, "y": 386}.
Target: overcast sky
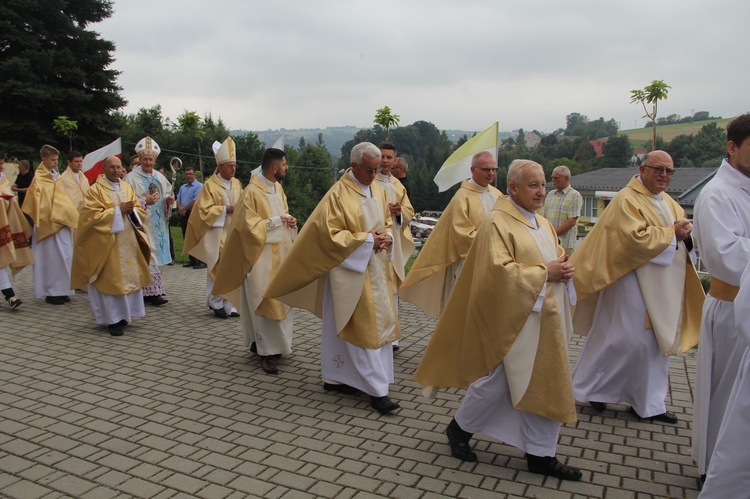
{"x": 458, "y": 64}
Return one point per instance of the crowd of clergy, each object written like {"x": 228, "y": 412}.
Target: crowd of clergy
{"x": 507, "y": 286}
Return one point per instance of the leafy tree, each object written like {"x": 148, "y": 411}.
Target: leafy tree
{"x": 191, "y": 125}
{"x": 651, "y": 94}
{"x": 385, "y": 118}
{"x": 65, "y": 126}
{"x": 52, "y": 65}
{"x": 616, "y": 152}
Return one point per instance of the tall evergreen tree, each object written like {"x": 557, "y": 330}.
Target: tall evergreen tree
{"x": 52, "y": 65}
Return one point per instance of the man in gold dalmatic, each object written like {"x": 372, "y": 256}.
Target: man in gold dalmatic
{"x": 401, "y": 214}
{"x": 259, "y": 239}
{"x": 55, "y": 217}
{"x": 112, "y": 251}
{"x": 438, "y": 264}
{"x": 338, "y": 268}
{"x": 210, "y": 219}
{"x": 15, "y": 231}
{"x": 639, "y": 297}
{"x": 504, "y": 332}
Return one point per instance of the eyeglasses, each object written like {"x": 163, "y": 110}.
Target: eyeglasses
{"x": 369, "y": 171}
{"x": 487, "y": 170}
{"x": 659, "y": 170}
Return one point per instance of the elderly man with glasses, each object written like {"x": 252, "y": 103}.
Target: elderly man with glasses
{"x": 338, "y": 269}
{"x": 438, "y": 264}
{"x": 639, "y": 297}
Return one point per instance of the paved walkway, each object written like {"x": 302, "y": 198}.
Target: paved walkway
{"x": 178, "y": 407}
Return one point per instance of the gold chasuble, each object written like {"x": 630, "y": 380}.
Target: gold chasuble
{"x": 490, "y": 318}
{"x": 75, "y": 188}
{"x": 15, "y": 231}
{"x": 48, "y": 205}
{"x": 430, "y": 277}
{"x": 251, "y": 248}
{"x": 115, "y": 264}
{"x": 632, "y": 230}
{"x": 200, "y": 241}
{"x": 403, "y": 242}
{"x": 365, "y": 313}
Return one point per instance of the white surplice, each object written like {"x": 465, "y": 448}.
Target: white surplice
{"x": 53, "y": 257}
{"x": 729, "y": 468}
{"x": 722, "y": 230}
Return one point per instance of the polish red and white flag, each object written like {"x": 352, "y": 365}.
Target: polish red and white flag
{"x": 93, "y": 161}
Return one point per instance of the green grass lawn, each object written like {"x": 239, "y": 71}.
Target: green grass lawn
{"x": 639, "y": 136}
{"x": 177, "y": 240}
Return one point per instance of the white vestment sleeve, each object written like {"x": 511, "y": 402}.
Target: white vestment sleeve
{"x": 742, "y": 306}
{"x": 273, "y": 223}
{"x": 359, "y": 259}
{"x": 666, "y": 257}
{"x": 222, "y": 218}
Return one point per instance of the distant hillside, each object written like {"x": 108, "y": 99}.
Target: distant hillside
{"x": 334, "y": 137}
{"x": 639, "y": 136}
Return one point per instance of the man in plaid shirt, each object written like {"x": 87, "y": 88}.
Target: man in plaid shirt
{"x": 563, "y": 207}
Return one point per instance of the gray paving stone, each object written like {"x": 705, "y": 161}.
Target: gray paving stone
{"x": 164, "y": 414}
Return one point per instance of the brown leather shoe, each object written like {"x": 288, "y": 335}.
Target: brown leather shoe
{"x": 268, "y": 363}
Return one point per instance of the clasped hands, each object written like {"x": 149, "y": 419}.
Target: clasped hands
{"x": 383, "y": 240}
{"x": 682, "y": 229}
{"x": 560, "y": 270}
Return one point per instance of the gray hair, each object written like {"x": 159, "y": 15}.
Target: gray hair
{"x": 563, "y": 170}
{"x": 363, "y": 149}
{"x": 480, "y": 155}
{"x": 402, "y": 162}
{"x": 515, "y": 170}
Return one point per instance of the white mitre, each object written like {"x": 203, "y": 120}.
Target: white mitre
{"x": 147, "y": 145}
{"x": 225, "y": 151}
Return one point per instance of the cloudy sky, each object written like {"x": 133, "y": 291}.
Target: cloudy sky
{"x": 460, "y": 64}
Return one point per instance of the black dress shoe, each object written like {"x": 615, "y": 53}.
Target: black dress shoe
{"x": 341, "y": 388}
{"x": 459, "y": 442}
{"x": 396, "y": 348}
{"x": 550, "y": 466}
{"x": 187, "y": 265}
{"x": 116, "y": 329}
{"x": 220, "y": 313}
{"x": 598, "y": 406}
{"x": 54, "y": 300}
{"x": 384, "y": 405}
{"x": 666, "y": 417}
{"x": 199, "y": 266}
{"x": 65, "y": 299}
{"x": 158, "y": 301}
{"x": 253, "y": 347}
{"x": 234, "y": 314}
{"x": 268, "y": 363}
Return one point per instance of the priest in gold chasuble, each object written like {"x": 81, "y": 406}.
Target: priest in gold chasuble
{"x": 640, "y": 298}
{"x": 259, "y": 239}
{"x": 210, "y": 219}
{"x": 434, "y": 272}
{"x": 112, "y": 251}
{"x": 504, "y": 332}
{"x": 338, "y": 268}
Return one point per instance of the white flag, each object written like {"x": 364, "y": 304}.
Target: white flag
{"x": 458, "y": 166}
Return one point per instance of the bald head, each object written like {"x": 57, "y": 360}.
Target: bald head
{"x": 111, "y": 167}
{"x": 656, "y": 171}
